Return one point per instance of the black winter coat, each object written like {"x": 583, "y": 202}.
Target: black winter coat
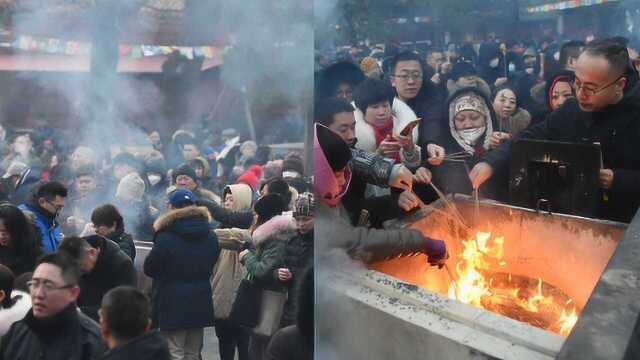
{"x": 230, "y": 218}
{"x": 125, "y": 242}
{"x": 113, "y": 268}
{"x": 616, "y": 128}
{"x": 180, "y": 262}
{"x": 150, "y": 346}
{"x": 298, "y": 256}
{"x": 67, "y": 335}
{"x": 428, "y": 106}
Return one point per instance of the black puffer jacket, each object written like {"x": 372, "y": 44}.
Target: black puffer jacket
{"x": 616, "y": 128}
{"x": 298, "y": 256}
{"x": 150, "y": 346}
{"x": 67, "y": 335}
{"x": 113, "y": 268}
{"x": 124, "y": 241}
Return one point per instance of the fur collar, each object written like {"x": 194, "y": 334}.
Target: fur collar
{"x": 402, "y": 115}
{"x": 281, "y": 227}
{"x": 170, "y": 217}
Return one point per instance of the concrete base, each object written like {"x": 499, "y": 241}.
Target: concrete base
{"x": 368, "y": 315}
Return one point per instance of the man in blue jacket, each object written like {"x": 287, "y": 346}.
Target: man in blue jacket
{"x": 45, "y": 203}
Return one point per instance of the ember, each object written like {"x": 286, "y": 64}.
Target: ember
{"x": 479, "y": 282}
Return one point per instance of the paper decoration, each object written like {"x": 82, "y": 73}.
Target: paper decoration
{"x": 565, "y": 5}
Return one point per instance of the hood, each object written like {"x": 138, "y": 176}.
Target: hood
{"x": 281, "y": 227}
{"x": 191, "y": 222}
{"x": 402, "y": 115}
{"x": 325, "y": 183}
{"x": 205, "y": 165}
{"x": 149, "y": 346}
{"x": 491, "y": 123}
{"x": 551, "y": 81}
{"x": 242, "y": 196}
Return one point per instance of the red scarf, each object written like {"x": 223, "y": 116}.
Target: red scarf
{"x": 381, "y": 131}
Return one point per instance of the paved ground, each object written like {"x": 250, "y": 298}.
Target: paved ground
{"x": 210, "y": 350}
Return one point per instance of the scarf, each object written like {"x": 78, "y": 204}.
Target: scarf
{"x": 381, "y": 131}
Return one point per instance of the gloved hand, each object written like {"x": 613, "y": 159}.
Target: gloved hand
{"x": 436, "y": 251}
{"x": 247, "y": 245}
{"x": 401, "y": 178}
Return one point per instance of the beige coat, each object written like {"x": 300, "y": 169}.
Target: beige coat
{"x": 228, "y": 271}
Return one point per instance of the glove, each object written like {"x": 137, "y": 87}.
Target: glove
{"x": 436, "y": 251}
{"x": 401, "y": 178}
{"x": 247, "y": 245}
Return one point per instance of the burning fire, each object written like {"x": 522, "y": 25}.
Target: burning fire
{"x": 524, "y": 299}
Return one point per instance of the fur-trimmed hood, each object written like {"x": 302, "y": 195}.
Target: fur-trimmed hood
{"x": 281, "y": 227}
{"x": 168, "y": 219}
{"x": 402, "y": 115}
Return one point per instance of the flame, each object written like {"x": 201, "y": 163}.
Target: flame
{"x": 482, "y": 254}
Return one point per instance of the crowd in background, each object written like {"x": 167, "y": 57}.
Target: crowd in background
{"x": 224, "y": 215}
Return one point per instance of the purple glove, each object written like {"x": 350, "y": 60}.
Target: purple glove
{"x": 436, "y": 250}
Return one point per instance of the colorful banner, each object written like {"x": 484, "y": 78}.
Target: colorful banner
{"x": 565, "y": 5}
{"x": 77, "y": 48}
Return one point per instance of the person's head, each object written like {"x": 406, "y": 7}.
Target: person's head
{"x": 228, "y": 200}
{"x": 303, "y": 212}
{"x": 201, "y": 167}
{"x": 249, "y": 148}
{"x": 156, "y": 167}
{"x": 123, "y": 164}
{"x": 339, "y": 80}
{"x": 292, "y": 166}
{"x": 267, "y": 207}
{"x": 185, "y": 177}
{"x": 85, "y": 253}
{"x": 22, "y": 144}
{"x": 464, "y": 74}
{"x": 155, "y": 139}
{"x": 469, "y": 117}
{"x": 337, "y": 115}
{"x": 505, "y": 102}
{"x": 83, "y": 156}
{"x": 54, "y": 284}
{"x": 559, "y": 90}
{"x": 106, "y": 220}
{"x": 181, "y": 198}
{"x": 131, "y": 188}
{"x": 374, "y": 98}
{"x": 569, "y": 53}
{"x": 50, "y": 197}
{"x": 435, "y": 59}
{"x": 16, "y": 231}
{"x": 280, "y": 187}
{"x": 331, "y": 165}
{"x": 599, "y": 75}
{"x": 125, "y": 313}
{"x": 371, "y": 68}
{"x": 6, "y": 287}
{"x": 237, "y": 197}
{"x": 190, "y": 151}
{"x": 85, "y": 180}
{"x": 406, "y": 75}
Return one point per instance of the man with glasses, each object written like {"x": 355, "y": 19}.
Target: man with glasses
{"x": 604, "y": 112}
{"x": 53, "y": 328}
{"x": 46, "y": 202}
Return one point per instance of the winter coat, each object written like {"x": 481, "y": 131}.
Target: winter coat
{"x": 241, "y": 216}
{"x": 334, "y": 231}
{"x": 298, "y": 256}
{"x": 180, "y": 262}
{"x": 113, "y": 268}
{"x": 402, "y": 115}
{"x": 616, "y": 128}
{"x": 150, "y": 346}
{"x": 19, "y": 265}
{"x": 515, "y": 123}
{"x": 270, "y": 240}
{"x": 25, "y": 186}
{"x": 125, "y": 242}
{"x": 48, "y": 226}
{"x": 452, "y": 177}
{"x": 20, "y": 308}
{"x": 427, "y": 105}
{"x": 67, "y": 335}
{"x": 229, "y": 272}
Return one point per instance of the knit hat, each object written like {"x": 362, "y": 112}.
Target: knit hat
{"x": 462, "y": 69}
{"x": 305, "y": 205}
{"x": 181, "y": 198}
{"x": 269, "y": 206}
{"x": 248, "y": 178}
{"x": 184, "y": 169}
{"x": 256, "y": 170}
{"x": 529, "y": 52}
{"x": 131, "y": 187}
{"x": 336, "y": 151}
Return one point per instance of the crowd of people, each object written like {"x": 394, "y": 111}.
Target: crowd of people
{"x": 223, "y": 216}
{"x": 472, "y": 102}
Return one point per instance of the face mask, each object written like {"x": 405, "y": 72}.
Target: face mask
{"x": 154, "y": 179}
{"x": 494, "y": 63}
{"x": 512, "y": 67}
{"x": 471, "y": 136}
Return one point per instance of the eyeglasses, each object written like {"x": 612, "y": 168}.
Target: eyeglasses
{"x": 577, "y": 85}
{"x": 47, "y": 286}
{"x": 415, "y": 76}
